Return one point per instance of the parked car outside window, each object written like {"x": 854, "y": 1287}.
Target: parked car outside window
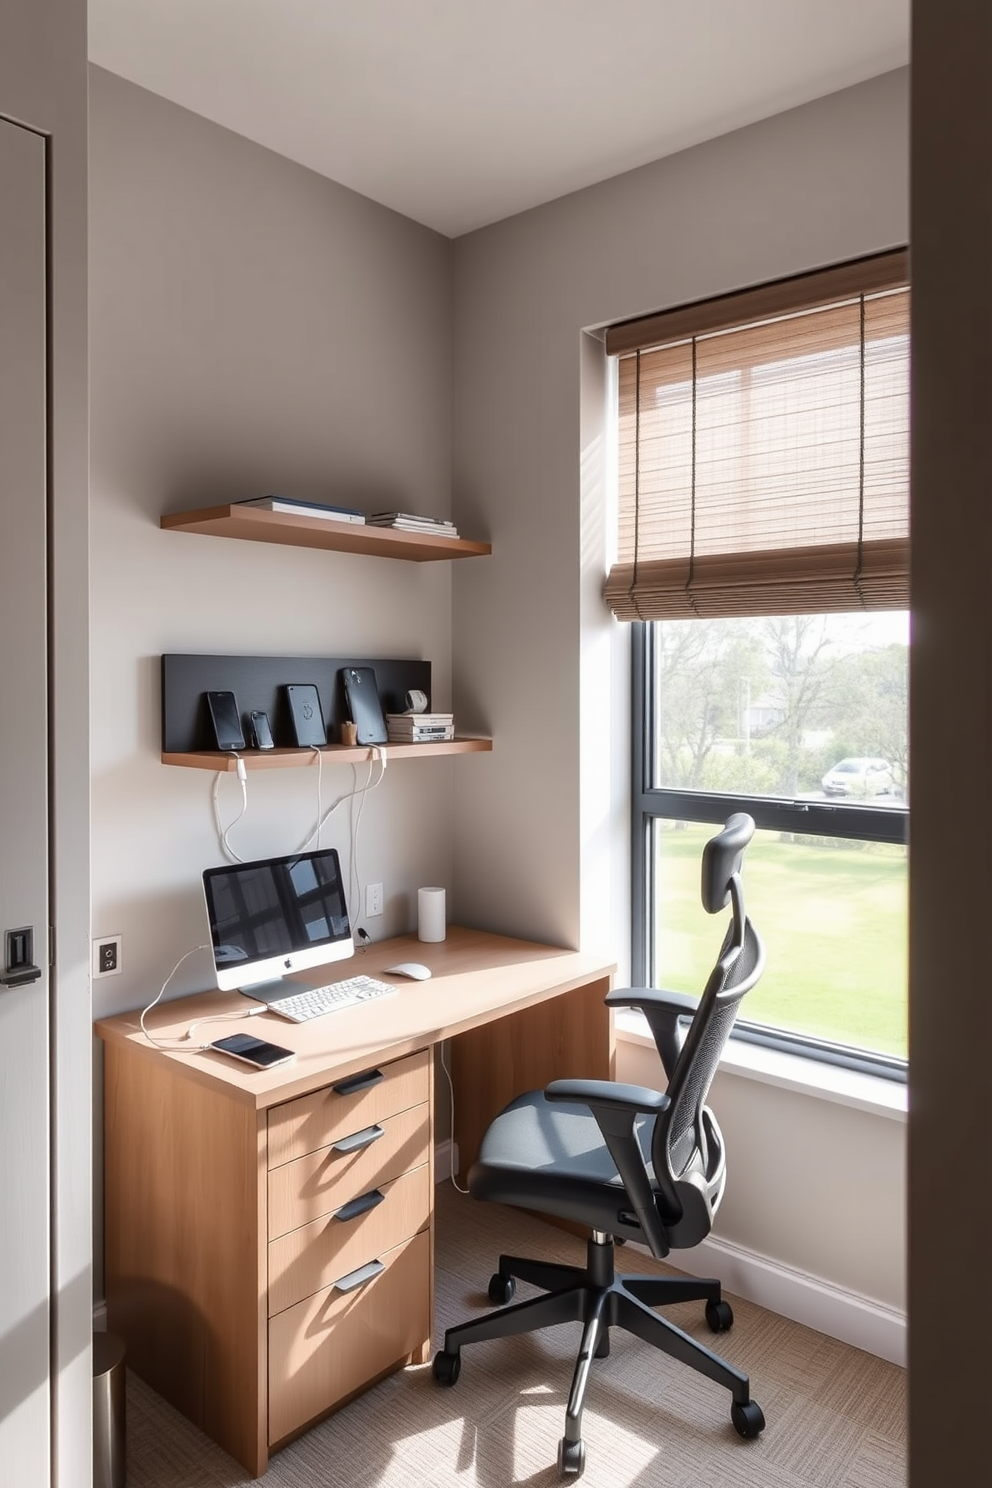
{"x": 859, "y": 777}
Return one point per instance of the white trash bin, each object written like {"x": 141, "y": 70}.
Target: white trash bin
{"x": 109, "y": 1466}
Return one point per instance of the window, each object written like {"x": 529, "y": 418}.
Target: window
{"x": 763, "y": 549}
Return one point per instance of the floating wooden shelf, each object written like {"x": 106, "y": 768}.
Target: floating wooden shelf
{"x": 258, "y": 525}
{"x": 333, "y": 754}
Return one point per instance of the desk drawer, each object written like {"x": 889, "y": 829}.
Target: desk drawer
{"x": 314, "y": 1255}
{"x": 314, "y": 1185}
{"x": 333, "y": 1344}
{"x": 316, "y": 1120}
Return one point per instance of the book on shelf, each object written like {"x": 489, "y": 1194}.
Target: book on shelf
{"x": 435, "y": 732}
{"x": 408, "y": 522}
{"x": 418, "y": 720}
{"x": 305, "y": 508}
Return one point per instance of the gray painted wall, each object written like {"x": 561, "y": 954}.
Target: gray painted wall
{"x": 537, "y": 659}
{"x": 255, "y": 328}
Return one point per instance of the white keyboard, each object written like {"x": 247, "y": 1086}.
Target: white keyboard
{"x": 314, "y": 1002}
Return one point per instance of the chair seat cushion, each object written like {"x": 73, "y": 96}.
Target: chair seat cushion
{"x": 551, "y": 1158}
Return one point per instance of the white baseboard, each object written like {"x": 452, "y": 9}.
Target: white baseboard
{"x": 806, "y": 1299}
{"x": 443, "y": 1154}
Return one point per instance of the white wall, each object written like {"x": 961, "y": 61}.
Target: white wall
{"x": 536, "y": 660}
{"x": 255, "y": 328}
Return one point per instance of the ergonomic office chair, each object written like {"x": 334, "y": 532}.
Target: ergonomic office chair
{"x": 627, "y": 1162}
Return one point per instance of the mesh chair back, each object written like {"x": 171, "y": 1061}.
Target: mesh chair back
{"x": 682, "y": 1132}
{"x": 680, "y": 1136}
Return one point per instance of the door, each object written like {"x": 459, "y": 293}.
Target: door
{"x": 25, "y": 1444}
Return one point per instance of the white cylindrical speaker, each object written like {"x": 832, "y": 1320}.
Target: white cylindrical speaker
{"x": 430, "y": 914}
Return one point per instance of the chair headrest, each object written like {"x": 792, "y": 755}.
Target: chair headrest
{"x": 722, "y": 858}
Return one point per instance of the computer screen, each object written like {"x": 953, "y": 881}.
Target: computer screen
{"x": 276, "y": 916}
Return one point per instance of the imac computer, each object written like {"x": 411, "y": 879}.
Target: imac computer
{"x": 276, "y": 916}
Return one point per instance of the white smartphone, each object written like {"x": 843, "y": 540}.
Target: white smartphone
{"x": 253, "y": 1051}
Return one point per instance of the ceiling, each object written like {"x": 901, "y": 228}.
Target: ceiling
{"x": 460, "y": 112}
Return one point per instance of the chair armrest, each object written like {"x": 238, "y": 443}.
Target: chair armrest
{"x": 616, "y": 1108}
{"x": 608, "y": 1095}
{"x": 663, "y": 1010}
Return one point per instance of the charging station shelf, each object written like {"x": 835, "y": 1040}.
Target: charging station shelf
{"x": 333, "y": 754}
{"x": 258, "y": 525}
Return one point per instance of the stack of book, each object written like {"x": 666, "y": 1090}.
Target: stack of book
{"x": 305, "y": 508}
{"x": 408, "y": 522}
{"x": 419, "y": 728}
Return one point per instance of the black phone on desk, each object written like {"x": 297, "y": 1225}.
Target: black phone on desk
{"x": 253, "y": 1051}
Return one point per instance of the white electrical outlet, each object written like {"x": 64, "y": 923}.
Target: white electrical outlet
{"x": 373, "y": 900}
{"x": 107, "y": 953}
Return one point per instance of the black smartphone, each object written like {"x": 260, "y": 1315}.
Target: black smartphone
{"x": 253, "y": 1051}
{"x": 226, "y": 720}
{"x": 363, "y": 704}
{"x": 261, "y": 733}
{"x": 308, "y": 720}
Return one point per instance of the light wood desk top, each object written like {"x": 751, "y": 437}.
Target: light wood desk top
{"x": 476, "y": 977}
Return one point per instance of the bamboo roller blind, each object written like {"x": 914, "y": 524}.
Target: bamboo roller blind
{"x": 764, "y": 457}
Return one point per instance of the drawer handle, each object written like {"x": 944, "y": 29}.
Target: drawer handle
{"x": 358, "y": 1206}
{"x": 355, "y": 1279}
{"x": 358, "y": 1082}
{"x": 359, "y": 1139}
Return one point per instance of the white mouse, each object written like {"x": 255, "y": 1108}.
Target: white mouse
{"x": 410, "y": 969}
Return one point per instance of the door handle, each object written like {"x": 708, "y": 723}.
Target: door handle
{"x": 19, "y": 967}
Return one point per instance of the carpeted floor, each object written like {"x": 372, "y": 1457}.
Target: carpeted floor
{"x": 836, "y": 1416}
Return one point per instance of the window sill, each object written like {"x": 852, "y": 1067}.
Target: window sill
{"x": 862, "y": 1092}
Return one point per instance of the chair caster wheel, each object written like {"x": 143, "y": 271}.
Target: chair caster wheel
{"x": 446, "y": 1367}
{"x": 719, "y": 1316}
{"x": 748, "y": 1419}
{"x": 501, "y": 1289}
{"x": 571, "y": 1458}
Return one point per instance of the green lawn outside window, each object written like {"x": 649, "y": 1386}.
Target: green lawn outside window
{"x": 832, "y": 915}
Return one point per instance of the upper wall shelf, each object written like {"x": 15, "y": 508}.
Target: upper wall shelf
{"x": 258, "y": 525}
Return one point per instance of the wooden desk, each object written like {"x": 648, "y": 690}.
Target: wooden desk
{"x": 262, "y": 1275}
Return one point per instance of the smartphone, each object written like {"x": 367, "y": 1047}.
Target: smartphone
{"x": 308, "y": 720}
{"x": 253, "y": 1051}
{"x": 261, "y": 732}
{"x": 226, "y": 720}
{"x": 363, "y": 703}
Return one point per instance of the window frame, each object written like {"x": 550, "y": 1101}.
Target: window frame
{"x": 820, "y": 818}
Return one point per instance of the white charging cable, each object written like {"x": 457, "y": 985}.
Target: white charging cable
{"x": 184, "y": 1041}
{"x": 325, "y": 816}
{"x": 375, "y": 753}
{"x": 451, "y": 1142}
{"x": 222, "y": 831}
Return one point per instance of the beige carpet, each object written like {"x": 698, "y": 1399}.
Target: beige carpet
{"x": 835, "y": 1415}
